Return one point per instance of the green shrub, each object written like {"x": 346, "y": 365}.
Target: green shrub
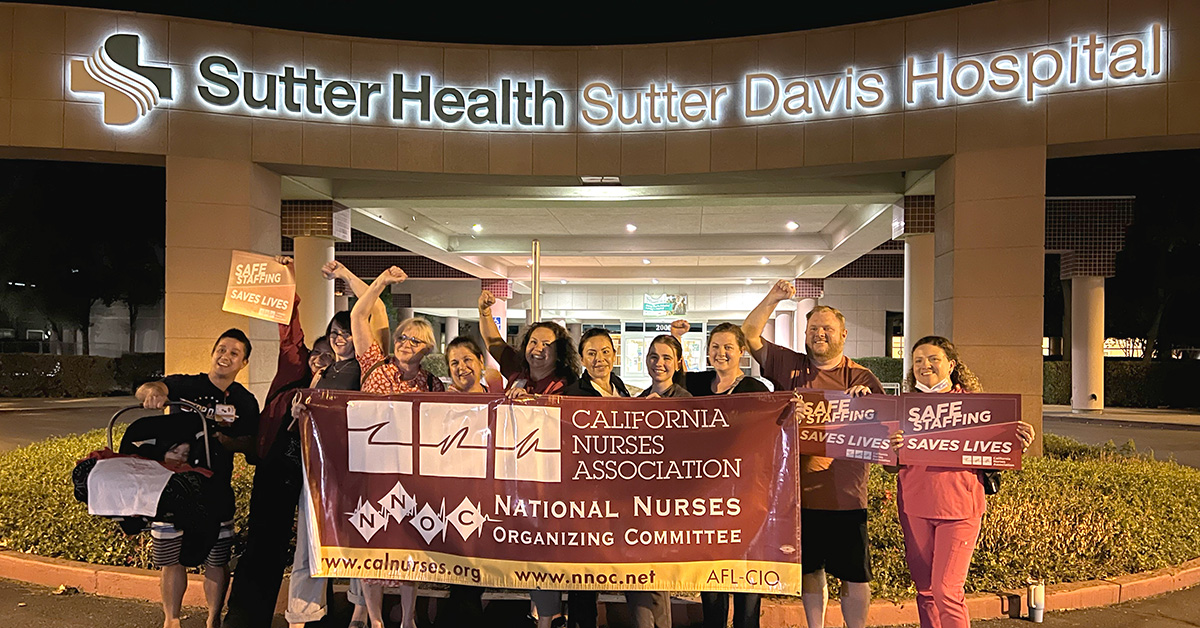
{"x": 39, "y": 514}
{"x": 1131, "y": 383}
{"x": 134, "y": 369}
{"x": 44, "y": 375}
{"x": 888, "y": 370}
{"x": 1056, "y": 383}
{"x": 1081, "y": 512}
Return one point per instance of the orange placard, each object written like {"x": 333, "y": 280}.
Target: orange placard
{"x": 260, "y": 287}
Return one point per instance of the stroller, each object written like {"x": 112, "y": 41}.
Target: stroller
{"x": 156, "y": 474}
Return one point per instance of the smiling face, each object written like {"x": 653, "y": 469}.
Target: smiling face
{"x": 540, "y": 352}
{"x": 598, "y": 357}
{"x": 466, "y": 368}
{"x": 930, "y": 365}
{"x": 724, "y": 352}
{"x": 341, "y": 341}
{"x": 411, "y": 348}
{"x": 228, "y": 357}
{"x": 321, "y": 356}
{"x": 825, "y": 336}
{"x": 661, "y": 363}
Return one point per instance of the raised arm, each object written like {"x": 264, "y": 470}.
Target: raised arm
{"x": 487, "y": 326}
{"x": 360, "y": 325}
{"x": 757, "y": 319}
{"x": 378, "y": 319}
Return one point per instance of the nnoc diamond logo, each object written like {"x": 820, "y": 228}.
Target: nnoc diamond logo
{"x": 128, "y": 88}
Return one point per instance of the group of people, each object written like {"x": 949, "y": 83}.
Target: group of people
{"x": 940, "y": 509}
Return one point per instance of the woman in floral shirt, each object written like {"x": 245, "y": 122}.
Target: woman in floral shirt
{"x": 392, "y": 375}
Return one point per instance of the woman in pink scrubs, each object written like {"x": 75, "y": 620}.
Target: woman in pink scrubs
{"x": 941, "y": 508}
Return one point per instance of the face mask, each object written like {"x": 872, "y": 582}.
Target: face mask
{"x": 938, "y": 387}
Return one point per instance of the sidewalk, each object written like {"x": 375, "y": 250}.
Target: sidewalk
{"x": 1148, "y": 417}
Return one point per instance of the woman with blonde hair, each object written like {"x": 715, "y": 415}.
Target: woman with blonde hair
{"x": 392, "y": 375}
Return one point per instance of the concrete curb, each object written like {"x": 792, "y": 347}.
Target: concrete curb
{"x": 142, "y": 584}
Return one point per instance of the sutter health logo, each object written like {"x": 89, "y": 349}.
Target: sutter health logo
{"x": 129, "y": 89}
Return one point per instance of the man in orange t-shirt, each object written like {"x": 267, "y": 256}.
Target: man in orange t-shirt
{"x": 833, "y": 493}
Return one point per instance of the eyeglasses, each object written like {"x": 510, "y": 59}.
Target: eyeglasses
{"x": 339, "y": 333}
{"x": 416, "y": 342}
{"x": 322, "y": 358}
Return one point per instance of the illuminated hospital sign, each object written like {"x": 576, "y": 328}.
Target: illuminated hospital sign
{"x": 131, "y": 90}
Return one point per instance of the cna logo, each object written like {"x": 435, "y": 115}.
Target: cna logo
{"x": 129, "y": 89}
{"x": 453, "y": 440}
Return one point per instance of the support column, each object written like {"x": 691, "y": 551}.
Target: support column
{"x": 576, "y": 332}
{"x": 1087, "y": 344}
{"x": 404, "y": 313}
{"x": 341, "y": 302}
{"x": 918, "y": 292}
{"x": 451, "y": 330}
{"x": 989, "y": 246}
{"x": 783, "y": 329}
{"x": 214, "y": 207}
{"x": 316, "y": 293}
{"x": 800, "y": 330}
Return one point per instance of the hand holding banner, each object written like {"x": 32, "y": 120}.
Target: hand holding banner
{"x": 260, "y": 287}
{"x": 835, "y": 425}
{"x": 961, "y": 430}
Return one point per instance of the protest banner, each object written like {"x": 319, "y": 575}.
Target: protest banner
{"x": 260, "y": 287}
{"x": 835, "y": 425}
{"x": 961, "y": 430}
{"x": 561, "y": 493}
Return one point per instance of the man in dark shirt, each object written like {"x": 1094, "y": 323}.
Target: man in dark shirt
{"x": 232, "y": 415}
{"x": 833, "y": 493}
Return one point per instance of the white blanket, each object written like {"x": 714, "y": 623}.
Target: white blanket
{"x": 126, "y": 487}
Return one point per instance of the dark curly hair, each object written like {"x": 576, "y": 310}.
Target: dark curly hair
{"x": 961, "y": 377}
{"x": 566, "y": 360}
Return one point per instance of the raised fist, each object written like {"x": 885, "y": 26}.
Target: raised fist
{"x": 393, "y": 275}
{"x": 486, "y": 301}
{"x": 332, "y": 269}
{"x": 283, "y": 259}
{"x": 782, "y": 290}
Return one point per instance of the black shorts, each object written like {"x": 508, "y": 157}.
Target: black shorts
{"x": 836, "y": 541}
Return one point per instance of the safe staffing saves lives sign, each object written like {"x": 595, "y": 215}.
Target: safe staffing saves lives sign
{"x": 260, "y": 287}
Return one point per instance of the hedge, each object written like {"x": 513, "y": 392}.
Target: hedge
{"x": 43, "y": 375}
{"x": 1131, "y": 383}
{"x": 1079, "y": 513}
{"x": 888, "y": 370}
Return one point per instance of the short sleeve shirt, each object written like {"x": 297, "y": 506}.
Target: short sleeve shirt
{"x": 243, "y": 421}
{"x": 825, "y": 483}
{"x": 385, "y": 379}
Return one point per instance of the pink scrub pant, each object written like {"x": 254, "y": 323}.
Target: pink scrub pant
{"x": 938, "y": 552}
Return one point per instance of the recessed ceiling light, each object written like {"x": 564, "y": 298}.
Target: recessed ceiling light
{"x": 654, "y": 281}
{"x": 631, "y": 227}
{"x": 476, "y": 227}
{"x": 749, "y": 281}
{"x": 792, "y": 225}
{"x": 764, "y": 260}
{"x": 529, "y": 262}
{"x": 562, "y": 281}
{"x": 645, "y": 260}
